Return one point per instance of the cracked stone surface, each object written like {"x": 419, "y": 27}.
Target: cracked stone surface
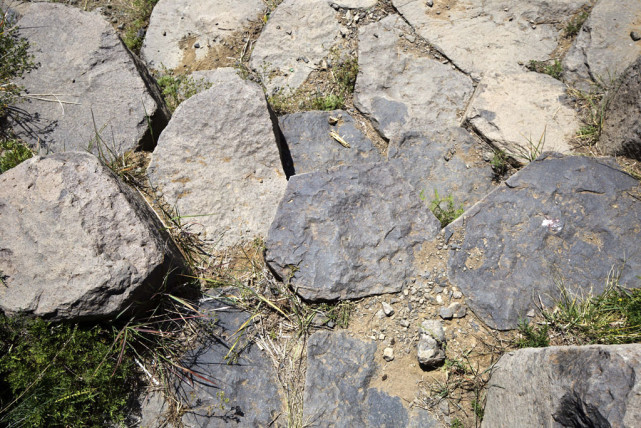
{"x": 307, "y": 136}
{"x": 517, "y": 111}
{"x": 492, "y": 35}
{"x": 293, "y": 43}
{"x": 175, "y": 27}
{"x": 559, "y": 386}
{"x": 81, "y": 60}
{"x": 561, "y": 219}
{"x": 604, "y": 49}
{"x": 400, "y": 90}
{"x": 349, "y": 232}
{"x": 448, "y": 162}
{"x": 337, "y": 392}
{"x": 225, "y": 169}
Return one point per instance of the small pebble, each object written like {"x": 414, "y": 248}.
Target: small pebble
{"x": 388, "y": 354}
{"x": 636, "y": 36}
{"x": 387, "y": 309}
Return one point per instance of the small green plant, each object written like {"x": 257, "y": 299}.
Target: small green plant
{"x": 499, "y": 163}
{"x": 456, "y": 423}
{"x": 613, "y": 317}
{"x": 345, "y": 73}
{"x": 532, "y": 150}
{"x": 532, "y": 337}
{"x": 177, "y": 88}
{"x": 328, "y": 102}
{"x": 15, "y": 60}
{"x": 574, "y": 25}
{"x": 60, "y": 375}
{"x": 592, "y": 105}
{"x": 444, "y": 209}
{"x": 12, "y": 153}
{"x": 554, "y": 69}
{"x": 134, "y": 33}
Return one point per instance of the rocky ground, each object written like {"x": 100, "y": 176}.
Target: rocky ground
{"x": 390, "y": 186}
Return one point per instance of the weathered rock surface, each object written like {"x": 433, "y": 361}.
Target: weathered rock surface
{"x": 75, "y": 242}
{"x": 400, "y": 90}
{"x": 337, "y": 392}
{"x": 249, "y": 382}
{"x": 71, "y": 93}
{"x": 218, "y": 158}
{"x": 449, "y": 162}
{"x": 571, "y": 386}
{"x": 307, "y": 137}
{"x": 354, "y": 4}
{"x": 515, "y": 111}
{"x": 293, "y": 43}
{"x": 621, "y": 133}
{"x": 348, "y": 233}
{"x": 492, "y": 35}
{"x": 176, "y": 27}
{"x": 431, "y": 344}
{"x": 604, "y": 49}
{"x": 566, "y": 220}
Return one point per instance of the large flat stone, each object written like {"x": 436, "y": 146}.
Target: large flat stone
{"x": 348, "y": 233}
{"x": 337, "y": 392}
{"x": 560, "y": 220}
{"x": 604, "y": 49}
{"x": 569, "y": 386}
{"x": 233, "y": 388}
{"x": 518, "y": 110}
{"x": 491, "y": 35}
{"x": 449, "y": 162}
{"x": 404, "y": 91}
{"x": 175, "y": 27}
{"x": 75, "y": 242}
{"x": 87, "y": 83}
{"x": 307, "y": 137}
{"x": 293, "y": 43}
{"x": 621, "y": 134}
{"x": 218, "y": 158}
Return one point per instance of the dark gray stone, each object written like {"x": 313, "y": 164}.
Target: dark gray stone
{"x": 87, "y": 83}
{"x": 586, "y": 386}
{"x": 247, "y": 378}
{"x": 440, "y": 161}
{"x": 568, "y": 220}
{"x": 76, "y": 242}
{"x": 622, "y": 129}
{"x": 337, "y": 392}
{"x": 313, "y": 149}
{"x": 348, "y": 233}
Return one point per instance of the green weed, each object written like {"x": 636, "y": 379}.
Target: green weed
{"x": 532, "y": 150}
{"x": 140, "y": 11}
{"x": 12, "y": 153}
{"x": 15, "y": 60}
{"x": 613, "y": 317}
{"x": 444, "y": 209}
{"x": 177, "y": 88}
{"x": 61, "y": 375}
{"x": 554, "y": 69}
{"x": 499, "y": 163}
{"x": 532, "y": 337}
{"x": 574, "y": 25}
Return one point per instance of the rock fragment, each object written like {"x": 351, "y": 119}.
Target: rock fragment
{"x": 431, "y": 344}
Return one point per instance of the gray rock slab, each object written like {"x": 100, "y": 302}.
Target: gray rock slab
{"x": 218, "y": 159}
{"x": 348, "y": 233}
{"x": 75, "y": 242}
{"x": 175, "y": 27}
{"x": 560, "y": 220}
{"x": 517, "y": 110}
{"x": 604, "y": 49}
{"x": 493, "y": 35}
{"x": 354, "y": 4}
{"x": 337, "y": 392}
{"x": 307, "y": 137}
{"x": 293, "y": 42}
{"x": 400, "y": 90}
{"x": 621, "y": 134}
{"x": 247, "y": 379}
{"x": 87, "y": 83}
{"x": 449, "y": 162}
{"x": 566, "y": 386}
